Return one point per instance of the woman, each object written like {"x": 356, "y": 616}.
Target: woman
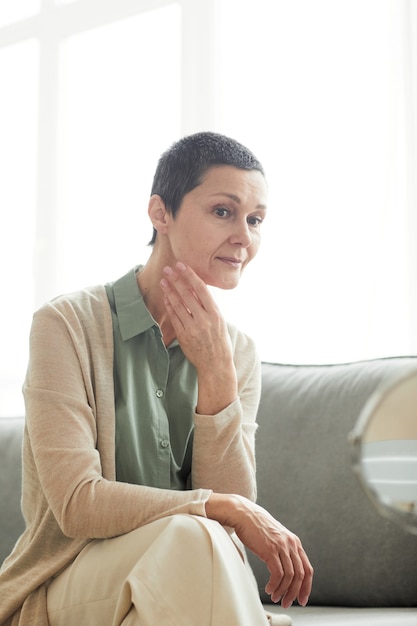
{"x": 139, "y": 470}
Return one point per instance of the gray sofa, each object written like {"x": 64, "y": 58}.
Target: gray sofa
{"x": 365, "y": 566}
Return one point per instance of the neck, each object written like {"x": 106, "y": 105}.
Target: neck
{"x": 148, "y": 281}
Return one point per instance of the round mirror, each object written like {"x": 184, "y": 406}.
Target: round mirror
{"x": 384, "y": 449}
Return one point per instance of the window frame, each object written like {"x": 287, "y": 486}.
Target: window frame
{"x": 52, "y": 26}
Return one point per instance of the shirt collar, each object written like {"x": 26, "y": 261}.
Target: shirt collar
{"x": 132, "y": 314}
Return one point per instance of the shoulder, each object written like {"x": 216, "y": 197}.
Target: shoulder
{"x": 241, "y": 342}
{"x": 245, "y": 354}
{"x": 246, "y": 360}
{"x": 87, "y": 309}
{"x": 90, "y": 299}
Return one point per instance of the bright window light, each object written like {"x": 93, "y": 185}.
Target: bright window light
{"x": 18, "y": 10}
{"x": 120, "y": 108}
{"x": 321, "y": 91}
{"x": 18, "y": 148}
{"x": 309, "y": 86}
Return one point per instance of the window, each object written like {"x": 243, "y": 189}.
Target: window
{"x": 90, "y": 98}
{"x": 18, "y": 131}
{"x": 323, "y": 92}
{"x": 119, "y": 109}
{"x": 12, "y": 12}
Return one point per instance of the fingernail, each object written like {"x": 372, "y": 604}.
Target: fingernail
{"x": 163, "y": 283}
{"x": 168, "y": 270}
{"x": 181, "y": 266}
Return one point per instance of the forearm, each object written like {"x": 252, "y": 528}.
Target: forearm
{"x": 109, "y": 509}
{"x": 217, "y": 386}
{"x": 223, "y": 452}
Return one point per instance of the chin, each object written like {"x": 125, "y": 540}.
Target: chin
{"x": 213, "y": 279}
{"x": 226, "y": 285}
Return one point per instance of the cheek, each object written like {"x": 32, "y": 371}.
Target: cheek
{"x": 254, "y": 248}
{"x": 184, "y": 248}
{"x": 197, "y": 260}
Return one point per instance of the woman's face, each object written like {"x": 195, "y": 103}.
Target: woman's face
{"x": 216, "y": 230}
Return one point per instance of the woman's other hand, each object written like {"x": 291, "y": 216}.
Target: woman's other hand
{"x": 290, "y": 570}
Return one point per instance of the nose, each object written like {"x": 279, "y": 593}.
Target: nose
{"x": 241, "y": 235}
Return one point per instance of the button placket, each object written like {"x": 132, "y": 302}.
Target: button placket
{"x": 161, "y": 374}
{"x": 164, "y": 443}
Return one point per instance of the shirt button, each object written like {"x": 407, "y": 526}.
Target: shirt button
{"x": 165, "y": 443}
{"x": 159, "y": 393}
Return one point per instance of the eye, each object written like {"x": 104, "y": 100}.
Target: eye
{"x": 222, "y": 211}
{"x": 255, "y": 220}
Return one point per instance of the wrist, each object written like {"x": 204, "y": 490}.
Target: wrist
{"x": 223, "y": 508}
{"x": 216, "y": 391}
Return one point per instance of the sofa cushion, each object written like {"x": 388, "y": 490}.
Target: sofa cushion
{"x": 342, "y": 616}
{"x": 306, "y": 481}
{"x": 11, "y": 431}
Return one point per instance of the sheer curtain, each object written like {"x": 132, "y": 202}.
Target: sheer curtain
{"x": 324, "y": 93}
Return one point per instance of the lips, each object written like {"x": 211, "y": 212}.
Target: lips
{"x": 231, "y": 261}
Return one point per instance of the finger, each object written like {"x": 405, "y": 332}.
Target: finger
{"x": 299, "y": 587}
{"x": 198, "y": 286}
{"x": 286, "y": 580}
{"x": 296, "y": 579}
{"x": 307, "y": 583}
{"x": 276, "y": 576}
{"x": 183, "y": 289}
{"x": 294, "y": 588}
{"x": 176, "y": 309}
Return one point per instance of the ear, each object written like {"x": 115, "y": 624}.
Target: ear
{"x": 158, "y": 214}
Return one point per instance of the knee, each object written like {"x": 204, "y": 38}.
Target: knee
{"x": 195, "y": 530}
{"x": 192, "y": 525}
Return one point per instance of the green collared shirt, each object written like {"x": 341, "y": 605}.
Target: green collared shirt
{"x": 155, "y": 395}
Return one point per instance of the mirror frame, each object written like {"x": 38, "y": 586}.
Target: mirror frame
{"x": 406, "y": 519}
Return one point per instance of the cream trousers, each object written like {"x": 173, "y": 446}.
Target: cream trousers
{"x": 182, "y": 570}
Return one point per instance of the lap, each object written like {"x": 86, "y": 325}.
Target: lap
{"x": 172, "y": 551}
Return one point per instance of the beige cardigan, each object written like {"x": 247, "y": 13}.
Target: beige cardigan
{"x": 70, "y": 495}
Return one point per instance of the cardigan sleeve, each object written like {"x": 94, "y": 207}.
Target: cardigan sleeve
{"x": 224, "y": 444}
{"x": 64, "y": 401}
